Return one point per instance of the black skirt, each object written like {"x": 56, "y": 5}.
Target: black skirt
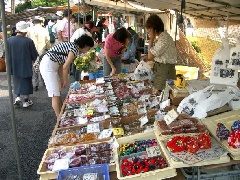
{"x": 22, "y": 86}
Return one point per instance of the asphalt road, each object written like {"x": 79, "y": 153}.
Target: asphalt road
{"x": 34, "y": 127}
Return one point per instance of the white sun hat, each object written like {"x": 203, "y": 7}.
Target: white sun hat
{"x": 22, "y": 26}
{"x": 59, "y": 13}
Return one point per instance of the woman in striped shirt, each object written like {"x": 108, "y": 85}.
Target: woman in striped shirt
{"x": 55, "y": 64}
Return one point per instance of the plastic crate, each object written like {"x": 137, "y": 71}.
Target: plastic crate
{"x": 99, "y": 74}
{"x": 93, "y": 76}
{"x": 227, "y": 175}
{"x": 97, "y": 168}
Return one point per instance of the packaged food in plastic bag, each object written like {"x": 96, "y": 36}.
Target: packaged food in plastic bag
{"x": 143, "y": 72}
{"x": 234, "y": 62}
{"x": 220, "y": 72}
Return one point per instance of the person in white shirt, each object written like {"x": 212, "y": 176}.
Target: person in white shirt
{"x": 55, "y": 27}
{"x": 63, "y": 28}
{"x": 89, "y": 28}
{"x": 40, "y": 37}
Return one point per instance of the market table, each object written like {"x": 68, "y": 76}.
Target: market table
{"x": 222, "y": 161}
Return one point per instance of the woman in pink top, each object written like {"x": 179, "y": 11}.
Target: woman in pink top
{"x": 115, "y": 45}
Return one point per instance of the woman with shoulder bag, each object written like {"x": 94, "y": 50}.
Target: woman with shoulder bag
{"x": 55, "y": 65}
{"x": 22, "y": 53}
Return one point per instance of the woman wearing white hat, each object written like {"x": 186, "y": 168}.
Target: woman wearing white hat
{"x": 22, "y": 53}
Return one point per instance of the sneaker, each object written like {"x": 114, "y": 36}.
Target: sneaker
{"x": 26, "y": 104}
{"x": 17, "y": 101}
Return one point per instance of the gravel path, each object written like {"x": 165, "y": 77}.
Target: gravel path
{"x": 34, "y": 125}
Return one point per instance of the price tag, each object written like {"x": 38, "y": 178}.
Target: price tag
{"x": 106, "y": 133}
{"x": 153, "y": 151}
{"x": 89, "y": 112}
{"x": 170, "y": 116}
{"x": 93, "y": 128}
{"x": 118, "y": 131}
{"x": 60, "y": 164}
{"x": 97, "y": 119}
{"x": 143, "y": 120}
{"x": 90, "y": 176}
{"x": 114, "y": 143}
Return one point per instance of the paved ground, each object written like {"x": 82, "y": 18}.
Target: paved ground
{"x": 34, "y": 125}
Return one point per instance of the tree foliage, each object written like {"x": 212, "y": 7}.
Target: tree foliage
{"x": 29, "y": 4}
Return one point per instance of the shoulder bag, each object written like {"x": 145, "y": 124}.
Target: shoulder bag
{"x": 37, "y": 62}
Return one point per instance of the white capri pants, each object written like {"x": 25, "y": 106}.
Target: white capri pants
{"x": 49, "y": 72}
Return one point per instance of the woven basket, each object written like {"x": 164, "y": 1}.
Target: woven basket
{"x": 2, "y": 65}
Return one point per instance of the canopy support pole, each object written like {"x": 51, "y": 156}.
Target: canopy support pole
{"x": 69, "y": 23}
{"x": 176, "y": 13}
{"x": 15, "y": 137}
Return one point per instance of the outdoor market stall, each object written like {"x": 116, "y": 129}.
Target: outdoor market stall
{"x": 133, "y": 113}
{"x": 168, "y": 161}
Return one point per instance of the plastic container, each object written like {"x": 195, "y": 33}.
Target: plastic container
{"x": 188, "y": 72}
{"x": 157, "y": 174}
{"x": 100, "y": 71}
{"x": 92, "y": 76}
{"x": 230, "y": 175}
{"x": 100, "y": 169}
{"x": 227, "y": 118}
{"x": 124, "y": 70}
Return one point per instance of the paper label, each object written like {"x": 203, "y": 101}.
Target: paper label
{"x": 60, "y": 164}
{"x": 143, "y": 120}
{"x": 93, "y": 128}
{"x": 89, "y": 112}
{"x": 118, "y": 131}
{"x": 165, "y": 104}
{"x": 170, "y": 116}
{"x": 90, "y": 176}
{"x": 153, "y": 151}
{"x": 106, "y": 133}
{"x": 97, "y": 119}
